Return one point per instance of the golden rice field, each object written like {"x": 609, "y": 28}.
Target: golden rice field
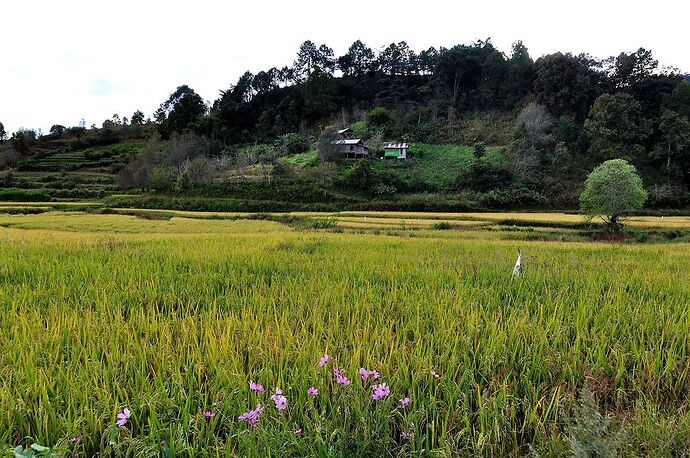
{"x": 170, "y": 315}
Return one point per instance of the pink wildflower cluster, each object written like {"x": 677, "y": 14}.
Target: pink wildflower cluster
{"x": 279, "y": 400}
{"x": 380, "y": 391}
{"x": 365, "y": 374}
{"x": 252, "y": 417}
{"x": 340, "y": 376}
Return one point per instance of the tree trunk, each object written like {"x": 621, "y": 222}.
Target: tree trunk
{"x": 614, "y": 223}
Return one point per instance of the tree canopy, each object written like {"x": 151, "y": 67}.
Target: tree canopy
{"x": 613, "y": 189}
{"x": 183, "y": 107}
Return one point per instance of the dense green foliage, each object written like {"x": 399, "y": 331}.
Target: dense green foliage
{"x": 613, "y": 189}
{"x": 554, "y": 119}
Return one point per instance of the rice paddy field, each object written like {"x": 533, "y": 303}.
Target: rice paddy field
{"x": 138, "y": 333}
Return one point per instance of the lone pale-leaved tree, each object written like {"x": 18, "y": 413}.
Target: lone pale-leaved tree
{"x": 612, "y": 190}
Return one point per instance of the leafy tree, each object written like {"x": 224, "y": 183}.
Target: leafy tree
{"x": 627, "y": 69}
{"x": 396, "y": 59}
{"x": 77, "y": 132}
{"x": 309, "y": 58}
{"x": 358, "y": 60}
{"x": 427, "y": 61}
{"x": 519, "y": 75}
{"x": 20, "y": 141}
{"x": 483, "y": 176}
{"x": 162, "y": 179}
{"x": 328, "y": 152}
{"x": 459, "y": 69}
{"x": 57, "y": 130}
{"x": 326, "y": 59}
{"x": 613, "y": 189}
{"x": 3, "y": 133}
{"x": 616, "y": 123}
{"x": 565, "y": 84}
{"x": 675, "y": 131}
{"x": 679, "y": 99}
{"x": 183, "y": 107}
{"x": 292, "y": 143}
{"x": 137, "y": 118}
{"x": 286, "y": 75}
{"x": 264, "y": 82}
{"x": 378, "y": 117}
{"x": 317, "y": 93}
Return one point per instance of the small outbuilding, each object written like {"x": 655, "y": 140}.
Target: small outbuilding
{"x": 351, "y": 148}
{"x": 395, "y": 151}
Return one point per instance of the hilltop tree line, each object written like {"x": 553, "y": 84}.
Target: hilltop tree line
{"x": 571, "y": 112}
{"x": 567, "y": 112}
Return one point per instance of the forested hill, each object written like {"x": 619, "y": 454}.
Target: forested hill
{"x": 484, "y": 127}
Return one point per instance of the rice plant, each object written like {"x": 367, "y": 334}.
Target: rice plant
{"x": 144, "y": 337}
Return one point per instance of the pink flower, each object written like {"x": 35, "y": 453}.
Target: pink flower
{"x": 365, "y": 374}
{"x": 340, "y": 376}
{"x": 323, "y": 360}
{"x": 313, "y": 392}
{"x": 123, "y": 417}
{"x": 208, "y": 414}
{"x": 435, "y": 374}
{"x": 252, "y": 417}
{"x": 74, "y": 439}
{"x": 255, "y": 386}
{"x": 279, "y": 400}
{"x": 404, "y": 402}
{"x": 380, "y": 391}
{"x": 406, "y": 436}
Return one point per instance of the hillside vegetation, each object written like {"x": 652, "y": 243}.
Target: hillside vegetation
{"x": 534, "y": 128}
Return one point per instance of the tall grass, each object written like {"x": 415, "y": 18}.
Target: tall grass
{"x": 172, "y": 318}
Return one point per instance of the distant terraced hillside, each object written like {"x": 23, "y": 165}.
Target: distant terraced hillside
{"x": 74, "y": 168}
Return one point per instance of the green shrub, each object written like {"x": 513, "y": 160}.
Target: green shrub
{"x": 442, "y": 226}
{"x": 23, "y": 195}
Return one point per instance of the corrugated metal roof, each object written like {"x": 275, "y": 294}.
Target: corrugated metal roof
{"x": 348, "y": 141}
{"x": 395, "y": 145}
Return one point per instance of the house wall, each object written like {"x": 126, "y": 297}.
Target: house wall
{"x": 352, "y": 151}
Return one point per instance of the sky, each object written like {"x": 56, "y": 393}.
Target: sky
{"x": 64, "y": 61}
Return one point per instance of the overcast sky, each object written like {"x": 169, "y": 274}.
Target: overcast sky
{"x": 73, "y": 59}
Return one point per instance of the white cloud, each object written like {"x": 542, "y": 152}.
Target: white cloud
{"x": 64, "y": 61}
